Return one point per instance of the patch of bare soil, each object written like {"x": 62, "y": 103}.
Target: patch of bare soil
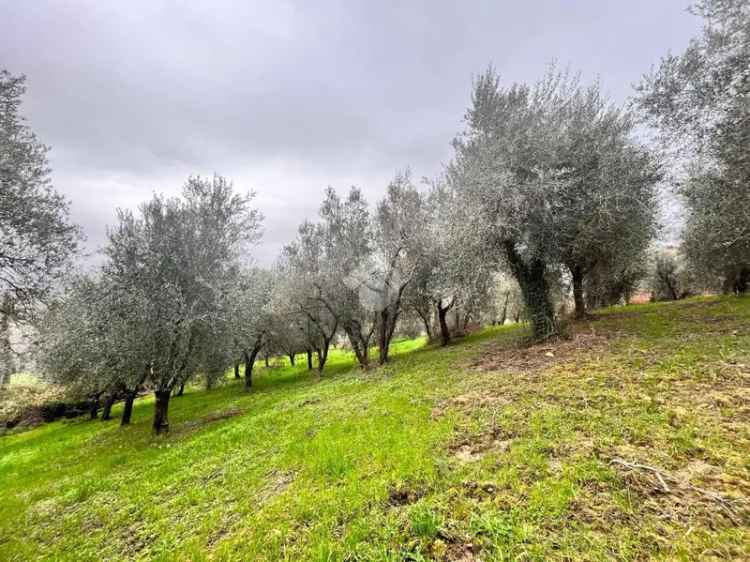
{"x": 452, "y": 546}
{"x": 469, "y": 402}
{"x": 471, "y": 447}
{"x": 462, "y": 553}
{"x": 403, "y": 494}
{"x": 479, "y": 490}
{"x": 673, "y": 496}
{"x": 540, "y": 356}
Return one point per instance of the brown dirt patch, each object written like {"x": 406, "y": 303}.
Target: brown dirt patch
{"x": 402, "y": 494}
{"x": 471, "y": 448}
{"x": 470, "y": 401}
{"x": 540, "y": 356}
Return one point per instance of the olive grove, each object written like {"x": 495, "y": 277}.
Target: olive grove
{"x": 550, "y": 200}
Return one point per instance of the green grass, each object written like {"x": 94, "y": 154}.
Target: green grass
{"x": 477, "y": 451}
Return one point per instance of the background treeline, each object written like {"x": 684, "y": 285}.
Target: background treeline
{"x": 551, "y": 197}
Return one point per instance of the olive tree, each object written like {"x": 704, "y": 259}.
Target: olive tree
{"x": 250, "y": 314}
{"x": 697, "y": 100}
{"x": 550, "y": 178}
{"x": 398, "y": 253}
{"x": 179, "y": 252}
{"x": 325, "y": 266}
{"x": 449, "y": 276}
{"x": 346, "y": 226}
{"x": 37, "y": 239}
{"x": 305, "y": 289}
{"x": 71, "y": 342}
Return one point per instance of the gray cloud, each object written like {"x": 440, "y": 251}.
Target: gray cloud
{"x": 289, "y": 97}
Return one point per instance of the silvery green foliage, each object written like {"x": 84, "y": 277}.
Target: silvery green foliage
{"x": 698, "y": 100}
{"x": 181, "y": 253}
{"x": 322, "y": 268}
{"x": 347, "y": 228}
{"x": 611, "y": 283}
{"x": 93, "y": 338}
{"x": 36, "y": 237}
{"x": 450, "y": 277}
{"x": 716, "y": 239}
{"x": 398, "y": 252}
{"x": 550, "y": 177}
{"x": 249, "y": 316}
{"x": 304, "y": 289}
{"x": 285, "y": 335}
{"x": 71, "y": 343}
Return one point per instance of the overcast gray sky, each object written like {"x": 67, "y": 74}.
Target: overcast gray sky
{"x": 286, "y": 98}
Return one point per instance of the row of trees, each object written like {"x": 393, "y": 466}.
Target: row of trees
{"x": 159, "y": 310}
{"x": 546, "y": 183}
{"x": 548, "y": 188}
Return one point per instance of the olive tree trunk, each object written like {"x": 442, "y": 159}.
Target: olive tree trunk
{"x": 127, "y": 410}
{"x": 576, "y": 274}
{"x": 109, "y": 401}
{"x": 161, "y": 411}
{"x": 249, "y": 362}
{"x": 531, "y": 275}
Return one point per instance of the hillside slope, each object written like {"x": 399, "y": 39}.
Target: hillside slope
{"x": 630, "y": 441}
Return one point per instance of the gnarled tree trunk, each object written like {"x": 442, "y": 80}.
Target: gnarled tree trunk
{"x": 442, "y": 312}
{"x": 107, "y": 407}
{"x": 532, "y": 277}
{"x": 94, "y": 406}
{"x": 127, "y": 410}
{"x": 249, "y": 362}
{"x": 161, "y": 411}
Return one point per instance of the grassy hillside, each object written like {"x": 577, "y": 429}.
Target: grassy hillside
{"x": 630, "y": 441}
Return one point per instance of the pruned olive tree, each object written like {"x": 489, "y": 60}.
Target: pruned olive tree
{"x": 607, "y": 210}
{"x": 93, "y": 339}
{"x": 545, "y": 171}
{"x": 305, "y": 289}
{"x": 324, "y": 269}
{"x": 178, "y": 252}
{"x": 250, "y": 314}
{"x": 398, "y": 252}
{"x": 346, "y": 226}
